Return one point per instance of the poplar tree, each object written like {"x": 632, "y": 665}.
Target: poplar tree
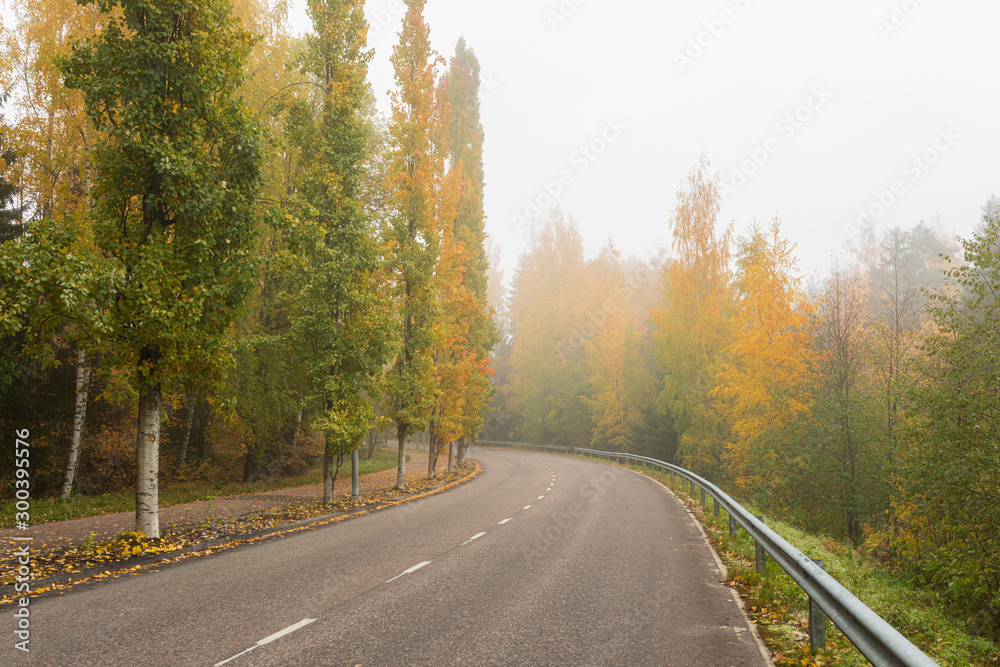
{"x": 177, "y": 172}
{"x": 412, "y": 235}
{"x": 467, "y": 331}
{"x": 340, "y": 322}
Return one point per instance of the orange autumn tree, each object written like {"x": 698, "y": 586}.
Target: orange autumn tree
{"x": 466, "y": 331}
{"x": 693, "y": 327}
{"x": 451, "y": 370}
{"x": 765, "y": 384}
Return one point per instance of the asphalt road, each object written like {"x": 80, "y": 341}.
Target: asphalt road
{"x": 542, "y": 560}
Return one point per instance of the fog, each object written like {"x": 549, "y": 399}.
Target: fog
{"x": 819, "y": 112}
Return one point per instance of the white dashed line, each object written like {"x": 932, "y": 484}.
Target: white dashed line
{"x": 267, "y": 640}
{"x": 412, "y": 569}
{"x": 527, "y": 507}
{"x": 504, "y": 521}
{"x": 540, "y": 497}
{"x": 474, "y": 537}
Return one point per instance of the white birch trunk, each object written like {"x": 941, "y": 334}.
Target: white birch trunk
{"x": 147, "y": 479}
{"x": 79, "y": 418}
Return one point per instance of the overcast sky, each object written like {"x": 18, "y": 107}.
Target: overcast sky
{"x": 814, "y": 111}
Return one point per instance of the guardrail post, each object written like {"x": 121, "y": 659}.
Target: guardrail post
{"x": 703, "y": 504}
{"x": 692, "y": 487}
{"x": 817, "y": 620}
{"x": 733, "y": 526}
{"x": 715, "y": 506}
{"x": 761, "y": 554}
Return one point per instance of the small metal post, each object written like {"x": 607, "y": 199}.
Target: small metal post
{"x": 733, "y": 526}
{"x": 692, "y": 487}
{"x": 761, "y": 555}
{"x": 703, "y": 499}
{"x": 715, "y": 505}
{"x": 817, "y": 620}
{"x": 355, "y": 486}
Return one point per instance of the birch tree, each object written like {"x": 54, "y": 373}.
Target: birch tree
{"x": 176, "y": 176}
{"x": 694, "y": 325}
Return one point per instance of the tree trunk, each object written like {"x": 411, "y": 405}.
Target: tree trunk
{"x": 327, "y": 477}
{"x": 401, "y": 460}
{"x": 337, "y": 463}
{"x": 432, "y": 455}
{"x": 298, "y": 428}
{"x": 372, "y": 444}
{"x": 186, "y": 440}
{"x": 147, "y": 479}
{"x": 249, "y": 468}
{"x": 451, "y": 457}
{"x": 79, "y": 417}
{"x": 462, "y": 447}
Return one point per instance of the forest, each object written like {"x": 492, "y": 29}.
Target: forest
{"x": 219, "y": 261}
{"x": 862, "y": 405}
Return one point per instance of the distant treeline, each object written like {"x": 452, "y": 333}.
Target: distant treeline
{"x": 865, "y": 406}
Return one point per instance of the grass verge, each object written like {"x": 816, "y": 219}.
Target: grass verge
{"x": 779, "y": 608}
{"x": 45, "y": 510}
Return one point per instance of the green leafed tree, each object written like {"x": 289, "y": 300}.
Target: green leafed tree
{"x": 177, "y": 172}
{"x": 340, "y": 319}
{"x": 11, "y": 214}
{"x": 413, "y": 236}
{"x": 947, "y": 502}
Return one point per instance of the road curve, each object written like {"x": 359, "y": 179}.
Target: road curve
{"x": 542, "y": 560}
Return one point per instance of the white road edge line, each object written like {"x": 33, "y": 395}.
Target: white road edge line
{"x": 412, "y": 569}
{"x": 504, "y": 521}
{"x": 541, "y": 496}
{"x": 474, "y": 537}
{"x": 267, "y": 640}
{"x": 527, "y": 507}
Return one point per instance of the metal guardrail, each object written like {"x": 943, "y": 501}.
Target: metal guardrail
{"x": 880, "y": 643}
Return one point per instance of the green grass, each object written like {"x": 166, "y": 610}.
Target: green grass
{"x": 44, "y": 510}
{"x": 781, "y": 607}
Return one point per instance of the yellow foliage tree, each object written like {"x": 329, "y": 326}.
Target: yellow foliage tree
{"x": 693, "y": 327}
{"x": 766, "y": 383}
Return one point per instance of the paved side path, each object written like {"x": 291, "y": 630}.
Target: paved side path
{"x": 76, "y": 531}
